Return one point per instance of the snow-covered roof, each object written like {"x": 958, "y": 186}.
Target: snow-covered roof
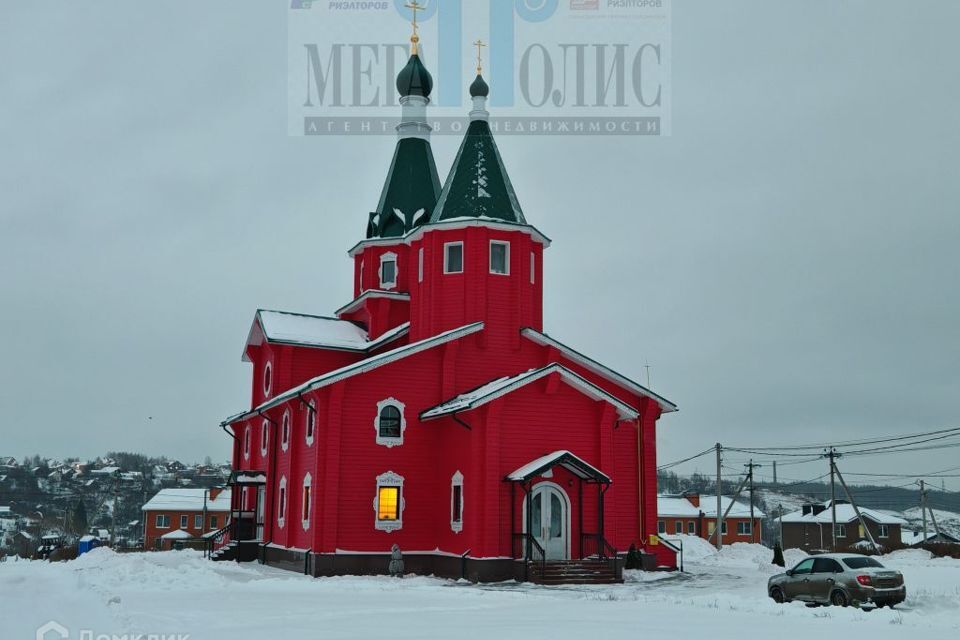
{"x": 544, "y": 340}
{"x": 88, "y": 538}
{"x": 179, "y": 534}
{"x": 911, "y": 538}
{"x": 5, "y": 509}
{"x": 363, "y": 366}
{"x": 682, "y": 507}
{"x": 502, "y": 386}
{"x": 305, "y": 330}
{"x": 845, "y": 513}
{"x": 188, "y": 500}
{"x": 573, "y": 463}
{"x": 357, "y": 302}
{"x": 105, "y": 471}
{"x": 677, "y": 507}
{"x": 455, "y": 223}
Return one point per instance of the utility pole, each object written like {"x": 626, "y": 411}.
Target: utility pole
{"x": 774, "y": 472}
{"x": 750, "y": 467}
{"x": 719, "y": 522}
{"x": 113, "y": 515}
{"x": 833, "y": 500}
{"x": 923, "y": 509}
{"x": 856, "y": 510}
{"x": 780, "y": 509}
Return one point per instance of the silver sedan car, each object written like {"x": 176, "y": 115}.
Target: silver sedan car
{"x": 839, "y": 579}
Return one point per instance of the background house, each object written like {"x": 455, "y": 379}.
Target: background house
{"x": 696, "y": 515}
{"x": 809, "y": 528}
{"x": 194, "y": 512}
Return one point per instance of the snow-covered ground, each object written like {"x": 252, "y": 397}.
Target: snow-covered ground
{"x": 720, "y": 596}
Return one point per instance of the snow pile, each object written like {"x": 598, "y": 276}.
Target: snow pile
{"x": 721, "y": 595}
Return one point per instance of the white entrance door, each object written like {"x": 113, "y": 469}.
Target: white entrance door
{"x": 550, "y": 521}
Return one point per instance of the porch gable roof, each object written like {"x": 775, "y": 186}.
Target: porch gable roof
{"x": 571, "y": 462}
{"x": 502, "y": 386}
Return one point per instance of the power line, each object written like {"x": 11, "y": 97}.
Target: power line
{"x": 679, "y": 462}
{"x": 852, "y": 443}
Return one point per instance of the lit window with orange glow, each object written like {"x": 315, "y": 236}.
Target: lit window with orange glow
{"x": 388, "y": 504}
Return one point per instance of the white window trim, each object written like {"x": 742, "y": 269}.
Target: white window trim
{"x": 456, "y": 481}
{"x": 307, "y": 483}
{"x": 662, "y": 527}
{"x": 390, "y": 442}
{"x": 841, "y": 530}
{"x": 264, "y": 437}
{"x": 506, "y": 264}
{"x": 310, "y": 423}
{"x": 282, "y": 498}
{"x": 388, "y": 479}
{"x": 678, "y": 528}
{"x": 162, "y": 518}
{"x": 533, "y": 268}
{"x": 183, "y": 526}
{"x": 745, "y": 528}
{"x": 884, "y": 531}
{"x": 285, "y": 431}
{"x": 463, "y": 258}
{"x": 247, "y": 437}
{"x": 389, "y": 256}
{"x": 691, "y": 528}
{"x": 200, "y": 519}
{"x": 420, "y": 265}
{"x": 267, "y": 378}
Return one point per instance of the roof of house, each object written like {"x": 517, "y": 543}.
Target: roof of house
{"x": 679, "y": 506}
{"x": 911, "y": 538}
{"x": 607, "y": 373}
{"x": 283, "y": 327}
{"x": 845, "y": 514}
{"x": 179, "y": 534}
{"x": 188, "y": 500}
{"x": 363, "y": 366}
{"x": 502, "y": 386}
{"x": 573, "y": 463}
{"x": 410, "y": 190}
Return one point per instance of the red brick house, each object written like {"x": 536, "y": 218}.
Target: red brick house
{"x": 432, "y": 411}
{"x": 178, "y": 515}
{"x": 695, "y": 515}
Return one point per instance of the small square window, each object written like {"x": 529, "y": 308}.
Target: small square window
{"x": 884, "y": 531}
{"x": 184, "y": 522}
{"x": 198, "y": 522}
{"x": 692, "y": 528}
{"x": 163, "y": 522}
{"x": 661, "y": 527}
{"x": 453, "y": 257}
{"x": 678, "y": 527}
{"x": 388, "y": 271}
{"x": 213, "y": 522}
{"x": 744, "y": 529}
{"x": 499, "y": 257}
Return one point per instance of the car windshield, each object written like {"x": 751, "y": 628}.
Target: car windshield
{"x": 861, "y": 563}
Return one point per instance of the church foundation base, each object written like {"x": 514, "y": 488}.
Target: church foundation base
{"x": 371, "y": 564}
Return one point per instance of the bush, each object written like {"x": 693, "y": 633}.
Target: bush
{"x": 64, "y": 553}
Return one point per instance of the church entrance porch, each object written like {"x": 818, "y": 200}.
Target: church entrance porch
{"x": 553, "y": 538}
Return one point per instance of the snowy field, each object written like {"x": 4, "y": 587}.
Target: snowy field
{"x": 720, "y": 596}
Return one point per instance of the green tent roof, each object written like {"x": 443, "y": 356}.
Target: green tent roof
{"x": 410, "y": 192}
{"x": 478, "y": 185}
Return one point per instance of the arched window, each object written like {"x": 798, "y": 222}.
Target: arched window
{"x": 285, "y": 432}
{"x": 310, "y": 428}
{"x": 264, "y": 437}
{"x": 305, "y": 504}
{"x": 456, "y": 502}
{"x": 246, "y": 442}
{"x": 388, "y": 502}
{"x": 282, "y": 503}
{"x": 390, "y": 422}
{"x": 267, "y": 379}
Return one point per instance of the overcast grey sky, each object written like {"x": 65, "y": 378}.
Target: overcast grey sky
{"x": 786, "y": 261}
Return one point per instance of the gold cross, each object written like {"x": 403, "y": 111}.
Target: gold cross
{"x": 479, "y": 45}
{"x": 414, "y": 6}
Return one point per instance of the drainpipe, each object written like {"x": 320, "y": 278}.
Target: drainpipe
{"x": 273, "y": 476}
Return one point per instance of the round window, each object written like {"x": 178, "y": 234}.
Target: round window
{"x": 267, "y": 378}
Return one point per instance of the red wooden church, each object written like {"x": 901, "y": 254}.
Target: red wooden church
{"x": 432, "y": 411}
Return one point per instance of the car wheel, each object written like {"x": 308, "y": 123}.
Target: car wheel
{"x": 777, "y": 594}
{"x": 838, "y": 599}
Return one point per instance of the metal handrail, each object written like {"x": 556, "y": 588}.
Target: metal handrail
{"x": 531, "y": 551}
{"x": 217, "y": 541}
